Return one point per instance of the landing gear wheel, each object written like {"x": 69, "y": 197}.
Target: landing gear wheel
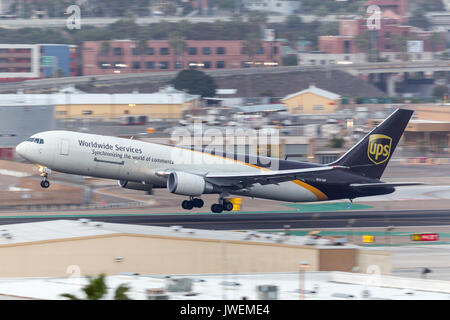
{"x": 45, "y": 184}
{"x": 217, "y": 208}
{"x": 228, "y": 206}
{"x": 198, "y": 203}
{"x": 186, "y": 204}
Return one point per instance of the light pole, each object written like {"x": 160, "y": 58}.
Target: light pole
{"x": 303, "y": 265}
{"x": 388, "y": 234}
{"x": 350, "y": 223}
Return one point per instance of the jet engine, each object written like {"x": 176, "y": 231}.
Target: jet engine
{"x": 188, "y": 184}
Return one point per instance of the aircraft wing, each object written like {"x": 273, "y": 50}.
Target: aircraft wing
{"x": 242, "y": 179}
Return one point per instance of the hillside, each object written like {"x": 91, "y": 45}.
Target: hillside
{"x": 276, "y": 84}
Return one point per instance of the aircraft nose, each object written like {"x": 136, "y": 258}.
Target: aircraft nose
{"x": 20, "y": 149}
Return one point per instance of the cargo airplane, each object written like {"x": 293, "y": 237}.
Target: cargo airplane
{"x": 193, "y": 172}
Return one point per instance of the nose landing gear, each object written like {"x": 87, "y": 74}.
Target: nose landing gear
{"x": 45, "y": 183}
{"x": 44, "y": 174}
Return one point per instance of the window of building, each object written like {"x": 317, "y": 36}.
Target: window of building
{"x": 135, "y": 51}
{"x": 207, "y": 64}
{"x": 192, "y": 65}
{"x": 22, "y": 70}
{"x": 164, "y": 65}
{"x": 299, "y": 108}
{"x": 178, "y": 65}
{"x": 3, "y": 50}
{"x": 318, "y": 107}
{"x": 117, "y": 51}
{"x": 192, "y": 51}
{"x": 245, "y": 64}
{"x": 220, "y": 64}
{"x": 260, "y": 50}
{"x": 119, "y": 65}
{"x": 136, "y": 65}
{"x": 150, "y": 51}
{"x": 347, "y": 46}
{"x": 104, "y": 65}
{"x": 275, "y": 50}
{"x": 220, "y": 50}
{"x": 164, "y": 51}
{"x": 87, "y": 112}
{"x": 150, "y": 65}
{"x": 206, "y": 50}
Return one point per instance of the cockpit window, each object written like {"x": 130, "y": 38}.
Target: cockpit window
{"x": 36, "y": 140}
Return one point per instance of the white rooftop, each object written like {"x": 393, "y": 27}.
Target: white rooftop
{"x": 317, "y": 285}
{"x": 64, "y": 229}
{"x": 164, "y": 96}
{"x": 317, "y": 91}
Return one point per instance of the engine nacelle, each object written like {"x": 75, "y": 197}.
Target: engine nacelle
{"x": 134, "y": 185}
{"x": 188, "y": 184}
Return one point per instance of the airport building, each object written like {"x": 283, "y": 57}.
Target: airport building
{"x": 44, "y": 249}
{"x": 126, "y": 56}
{"x": 312, "y": 101}
{"x": 430, "y": 130}
{"x": 167, "y": 103}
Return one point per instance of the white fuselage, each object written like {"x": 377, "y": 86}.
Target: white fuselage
{"x": 126, "y": 159}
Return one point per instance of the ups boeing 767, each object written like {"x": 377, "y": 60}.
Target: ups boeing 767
{"x": 190, "y": 172}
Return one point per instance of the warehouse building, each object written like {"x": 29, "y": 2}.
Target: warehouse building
{"x": 312, "y": 100}
{"x": 49, "y": 248}
{"x": 167, "y": 103}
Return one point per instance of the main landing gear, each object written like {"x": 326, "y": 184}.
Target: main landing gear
{"x": 221, "y": 206}
{"x": 44, "y": 174}
{"x": 192, "y": 203}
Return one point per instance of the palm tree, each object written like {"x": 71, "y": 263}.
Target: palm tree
{"x": 251, "y": 45}
{"x": 105, "y": 47}
{"x": 177, "y": 43}
{"x": 96, "y": 289}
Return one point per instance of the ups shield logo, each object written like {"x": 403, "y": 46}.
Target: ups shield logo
{"x": 379, "y": 148}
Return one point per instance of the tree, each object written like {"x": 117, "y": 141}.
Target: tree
{"x": 195, "y": 82}
{"x": 293, "y": 21}
{"x": 258, "y": 18}
{"x": 440, "y": 91}
{"x": 419, "y": 19}
{"x": 251, "y": 45}
{"x": 96, "y": 289}
{"x": 105, "y": 47}
{"x": 336, "y": 142}
{"x": 177, "y": 43}
{"x": 290, "y": 60}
